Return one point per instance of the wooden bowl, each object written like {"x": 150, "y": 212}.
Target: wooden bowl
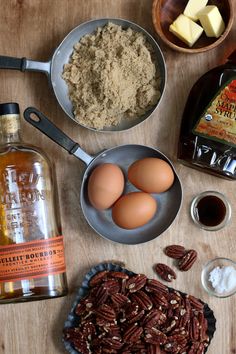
{"x": 164, "y": 12}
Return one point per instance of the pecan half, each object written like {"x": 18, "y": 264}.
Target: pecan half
{"x": 81, "y": 346}
{"x": 171, "y": 347}
{"x": 186, "y": 313}
{"x": 80, "y": 309}
{"x": 178, "y": 339}
{"x": 136, "y": 318}
{"x": 187, "y": 261}
{"x": 132, "y": 334}
{"x": 174, "y": 300}
{"x": 154, "y": 336}
{"x": 153, "y": 318}
{"x": 119, "y": 275}
{"x": 88, "y": 329}
{"x": 159, "y": 300}
{"x": 139, "y": 347}
{"x": 194, "y": 329}
{"x": 196, "y": 348}
{"x": 195, "y": 303}
{"x": 175, "y": 251}
{"x": 142, "y": 299}
{"x": 154, "y": 349}
{"x": 98, "y": 278}
{"x": 119, "y": 299}
{"x": 77, "y": 338}
{"x": 165, "y": 272}
{"x": 203, "y": 326}
{"x": 84, "y": 306}
{"x": 170, "y": 325}
{"x": 101, "y": 295}
{"x": 136, "y": 282}
{"x": 114, "y": 330}
{"x": 131, "y": 311}
{"x": 110, "y": 350}
{"x": 106, "y": 312}
{"x": 112, "y": 286}
{"x": 154, "y": 286}
{"x": 112, "y": 343}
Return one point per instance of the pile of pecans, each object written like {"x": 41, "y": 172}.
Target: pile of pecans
{"x": 125, "y": 314}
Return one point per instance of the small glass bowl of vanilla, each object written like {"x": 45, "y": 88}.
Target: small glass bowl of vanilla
{"x": 219, "y": 277}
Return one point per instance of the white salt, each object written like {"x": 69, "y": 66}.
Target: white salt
{"x": 223, "y": 279}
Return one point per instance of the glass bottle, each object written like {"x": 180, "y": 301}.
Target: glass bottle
{"x": 32, "y": 265}
{"x": 208, "y": 131}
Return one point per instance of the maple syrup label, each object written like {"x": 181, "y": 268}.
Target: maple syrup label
{"x": 218, "y": 122}
{"x": 35, "y": 259}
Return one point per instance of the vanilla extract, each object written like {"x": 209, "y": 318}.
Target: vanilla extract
{"x": 211, "y": 210}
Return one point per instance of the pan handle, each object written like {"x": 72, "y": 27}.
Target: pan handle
{"x": 24, "y": 64}
{"x": 42, "y": 123}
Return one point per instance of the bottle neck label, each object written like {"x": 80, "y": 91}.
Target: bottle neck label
{"x": 218, "y": 121}
{"x": 34, "y": 259}
{"x": 10, "y": 128}
{"x": 10, "y": 123}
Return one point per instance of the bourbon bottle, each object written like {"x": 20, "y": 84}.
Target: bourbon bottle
{"x": 208, "y": 131}
{"x": 32, "y": 264}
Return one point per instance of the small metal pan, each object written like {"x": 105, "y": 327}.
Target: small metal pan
{"x": 61, "y": 56}
{"x": 124, "y": 155}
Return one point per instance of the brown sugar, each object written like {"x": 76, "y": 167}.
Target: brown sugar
{"x": 112, "y": 76}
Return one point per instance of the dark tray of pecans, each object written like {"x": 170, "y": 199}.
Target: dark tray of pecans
{"x": 118, "y": 311}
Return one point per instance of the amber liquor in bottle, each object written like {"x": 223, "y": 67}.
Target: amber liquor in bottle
{"x": 32, "y": 264}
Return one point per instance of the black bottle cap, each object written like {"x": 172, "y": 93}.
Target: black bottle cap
{"x": 9, "y": 108}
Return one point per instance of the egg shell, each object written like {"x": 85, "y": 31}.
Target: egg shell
{"x": 151, "y": 175}
{"x": 105, "y": 185}
{"x": 133, "y": 210}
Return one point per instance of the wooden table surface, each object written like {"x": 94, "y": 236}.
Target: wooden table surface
{"x": 33, "y": 29}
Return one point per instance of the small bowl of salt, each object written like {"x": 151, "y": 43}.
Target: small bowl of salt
{"x": 219, "y": 277}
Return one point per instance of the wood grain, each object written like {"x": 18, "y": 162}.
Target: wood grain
{"x": 33, "y": 29}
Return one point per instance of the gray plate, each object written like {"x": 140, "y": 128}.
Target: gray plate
{"x": 168, "y": 203}
{"x": 54, "y": 68}
{"x": 64, "y": 51}
{"x": 101, "y": 221}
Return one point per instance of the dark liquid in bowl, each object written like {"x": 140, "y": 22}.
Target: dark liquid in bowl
{"x": 211, "y": 210}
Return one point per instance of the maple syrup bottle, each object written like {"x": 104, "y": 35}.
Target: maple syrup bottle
{"x": 32, "y": 264}
{"x": 208, "y": 131}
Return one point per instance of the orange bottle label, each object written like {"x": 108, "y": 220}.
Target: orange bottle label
{"x": 218, "y": 122}
{"x": 34, "y": 259}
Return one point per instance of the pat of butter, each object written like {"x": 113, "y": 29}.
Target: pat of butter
{"x": 193, "y": 7}
{"x": 186, "y": 30}
{"x": 211, "y": 20}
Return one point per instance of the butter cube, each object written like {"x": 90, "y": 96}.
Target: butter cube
{"x": 186, "y": 30}
{"x": 193, "y": 7}
{"x": 212, "y": 21}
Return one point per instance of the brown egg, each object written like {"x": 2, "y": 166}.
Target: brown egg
{"x": 151, "y": 175}
{"x": 134, "y": 210}
{"x": 105, "y": 185}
